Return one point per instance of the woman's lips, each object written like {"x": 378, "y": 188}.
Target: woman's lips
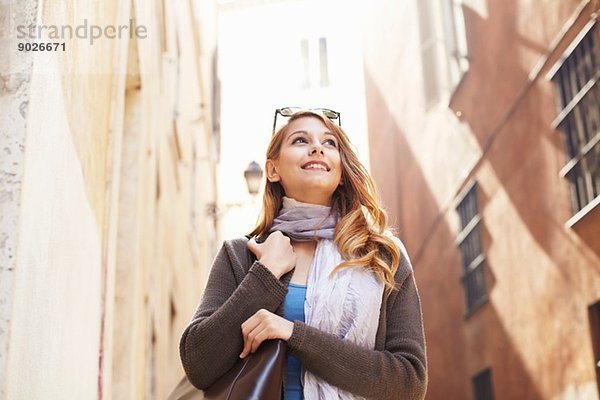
{"x": 316, "y": 165}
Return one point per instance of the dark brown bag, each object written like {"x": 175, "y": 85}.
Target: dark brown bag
{"x": 259, "y": 376}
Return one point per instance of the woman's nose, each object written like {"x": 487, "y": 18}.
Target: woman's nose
{"x": 316, "y": 148}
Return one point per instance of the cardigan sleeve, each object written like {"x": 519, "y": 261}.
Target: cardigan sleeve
{"x": 212, "y": 342}
{"x": 397, "y": 372}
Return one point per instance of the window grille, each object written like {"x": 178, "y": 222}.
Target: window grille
{"x": 578, "y": 120}
{"x": 469, "y": 243}
{"x": 482, "y": 385}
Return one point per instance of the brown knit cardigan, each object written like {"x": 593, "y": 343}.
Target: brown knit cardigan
{"x": 239, "y": 285}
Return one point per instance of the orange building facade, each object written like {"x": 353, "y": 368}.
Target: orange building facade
{"x": 484, "y": 126}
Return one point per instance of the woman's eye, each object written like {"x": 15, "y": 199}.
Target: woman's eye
{"x": 299, "y": 138}
{"x": 332, "y": 142}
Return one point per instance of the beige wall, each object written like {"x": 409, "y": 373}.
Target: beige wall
{"x": 14, "y": 84}
{"x": 107, "y": 238}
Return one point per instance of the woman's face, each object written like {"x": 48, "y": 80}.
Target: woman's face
{"x": 309, "y": 166}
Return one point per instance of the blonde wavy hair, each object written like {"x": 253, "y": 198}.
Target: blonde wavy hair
{"x": 362, "y": 235}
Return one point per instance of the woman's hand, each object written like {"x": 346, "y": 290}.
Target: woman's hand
{"x": 276, "y": 253}
{"x": 261, "y": 326}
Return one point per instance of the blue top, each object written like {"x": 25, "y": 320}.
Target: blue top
{"x": 293, "y": 310}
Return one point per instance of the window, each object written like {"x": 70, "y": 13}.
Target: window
{"x": 578, "y": 120}
{"x": 594, "y": 316}
{"x": 444, "y": 52}
{"x": 315, "y": 66}
{"x": 482, "y": 385}
{"x": 305, "y": 83}
{"x": 429, "y": 48}
{"x": 469, "y": 243}
{"x": 323, "y": 70}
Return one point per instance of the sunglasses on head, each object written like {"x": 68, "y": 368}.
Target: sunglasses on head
{"x": 289, "y": 111}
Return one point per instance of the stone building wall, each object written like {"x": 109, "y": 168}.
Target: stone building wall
{"x": 108, "y": 153}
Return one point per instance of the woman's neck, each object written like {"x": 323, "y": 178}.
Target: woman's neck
{"x": 311, "y": 244}
{"x": 305, "y": 200}
{"x": 290, "y": 202}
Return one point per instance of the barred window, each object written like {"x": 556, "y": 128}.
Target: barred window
{"x": 469, "y": 243}
{"x": 482, "y": 385}
{"x": 594, "y": 318}
{"x": 578, "y": 120}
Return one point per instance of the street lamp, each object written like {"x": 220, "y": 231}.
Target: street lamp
{"x": 253, "y": 175}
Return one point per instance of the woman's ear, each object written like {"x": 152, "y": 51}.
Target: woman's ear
{"x": 272, "y": 174}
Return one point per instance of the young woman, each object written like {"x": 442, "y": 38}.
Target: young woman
{"x": 329, "y": 279}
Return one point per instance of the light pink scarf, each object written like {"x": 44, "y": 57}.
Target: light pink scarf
{"x": 347, "y": 304}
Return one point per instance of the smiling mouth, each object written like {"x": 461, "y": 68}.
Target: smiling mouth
{"x": 316, "y": 167}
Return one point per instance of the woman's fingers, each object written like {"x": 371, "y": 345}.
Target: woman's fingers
{"x": 253, "y": 339}
{"x": 253, "y": 247}
{"x": 247, "y": 328}
{"x": 276, "y": 253}
{"x": 256, "y": 329}
{"x": 258, "y": 339}
{"x": 261, "y": 326}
